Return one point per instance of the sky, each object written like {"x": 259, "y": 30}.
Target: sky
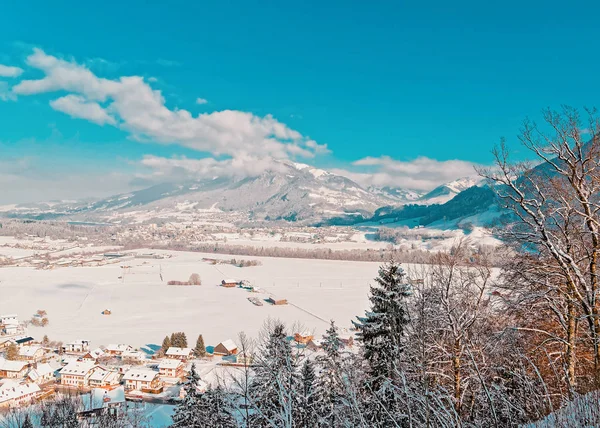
{"x": 102, "y": 98}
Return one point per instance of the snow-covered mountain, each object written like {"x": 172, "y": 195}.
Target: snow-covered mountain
{"x": 447, "y": 191}
{"x": 291, "y": 191}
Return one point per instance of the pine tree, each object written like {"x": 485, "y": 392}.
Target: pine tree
{"x": 330, "y": 387}
{"x": 179, "y": 340}
{"x": 200, "y": 349}
{"x": 306, "y": 405}
{"x": 165, "y": 345}
{"x": 27, "y": 422}
{"x": 187, "y": 414}
{"x": 213, "y": 409}
{"x": 272, "y": 386}
{"x": 381, "y": 332}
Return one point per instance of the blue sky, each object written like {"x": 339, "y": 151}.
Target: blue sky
{"x": 393, "y": 82}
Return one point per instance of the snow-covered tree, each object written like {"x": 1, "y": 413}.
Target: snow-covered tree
{"x": 306, "y": 414}
{"x": 330, "y": 387}
{"x": 272, "y": 386}
{"x": 200, "y": 349}
{"x": 214, "y": 409}
{"x": 187, "y": 414}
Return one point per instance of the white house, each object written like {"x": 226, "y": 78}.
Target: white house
{"x": 12, "y": 369}
{"x": 31, "y": 353}
{"x": 77, "y": 346}
{"x": 93, "y": 355}
{"x": 15, "y": 394}
{"x": 118, "y": 349}
{"x": 171, "y": 368}
{"x": 142, "y": 378}
{"x": 102, "y": 377}
{"x": 9, "y": 318}
{"x": 137, "y": 356}
{"x": 41, "y": 374}
{"x": 77, "y": 373}
{"x": 179, "y": 353}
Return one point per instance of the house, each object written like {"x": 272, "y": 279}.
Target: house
{"x": 305, "y": 337}
{"x": 103, "y": 378}
{"x": 117, "y": 349}
{"x": 23, "y": 340}
{"x": 179, "y": 353}
{"x": 9, "y": 318}
{"x": 171, "y": 368}
{"x": 77, "y": 346}
{"x": 133, "y": 356}
{"x": 77, "y": 373}
{"x": 230, "y": 283}
{"x": 276, "y": 301}
{"x": 15, "y": 394}
{"x": 142, "y": 379}
{"x": 10, "y": 327}
{"x": 12, "y": 369}
{"x": 92, "y": 355}
{"x": 41, "y": 374}
{"x": 31, "y": 353}
{"x": 109, "y": 404}
{"x": 227, "y": 347}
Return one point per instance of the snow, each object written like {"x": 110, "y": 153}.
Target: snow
{"x": 145, "y": 310}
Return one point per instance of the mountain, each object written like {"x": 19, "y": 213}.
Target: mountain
{"x": 290, "y": 191}
{"x": 398, "y": 194}
{"x": 447, "y": 191}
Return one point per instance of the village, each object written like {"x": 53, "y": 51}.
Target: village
{"x": 33, "y": 369}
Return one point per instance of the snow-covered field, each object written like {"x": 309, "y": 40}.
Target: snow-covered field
{"x": 145, "y": 309}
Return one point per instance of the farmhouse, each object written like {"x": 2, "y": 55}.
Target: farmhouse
{"x": 23, "y": 340}
{"x": 117, "y": 349}
{"x": 171, "y": 368}
{"x": 133, "y": 356}
{"x": 230, "y": 283}
{"x": 77, "y": 373}
{"x": 77, "y": 346}
{"x": 93, "y": 355}
{"x": 179, "y": 353}
{"x": 12, "y": 369}
{"x": 31, "y": 353}
{"x": 15, "y": 394}
{"x": 228, "y": 347}
{"x": 142, "y": 380}
{"x": 277, "y": 301}
{"x": 41, "y": 374}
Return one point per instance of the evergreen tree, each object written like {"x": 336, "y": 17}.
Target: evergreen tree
{"x": 179, "y": 340}
{"x": 381, "y": 333}
{"x": 187, "y": 414}
{"x": 306, "y": 398}
{"x": 213, "y": 409}
{"x": 330, "y": 387}
{"x": 200, "y": 349}
{"x": 27, "y": 422}
{"x": 166, "y": 344}
{"x": 272, "y": 386}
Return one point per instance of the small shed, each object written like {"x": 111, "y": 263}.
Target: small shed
{"x": 228, "y": 347}
{"x": 106, "y": 312}
{"x": 230, "y": 283}
{"x": 305, "y": 337}
{"x": 277, "y": 301}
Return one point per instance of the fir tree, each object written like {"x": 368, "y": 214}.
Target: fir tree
{"x": 213, "y": 409}
{"x": 272, "y": 386}
{"x": 200, "y": 349}
{"x": 306, "y": 405}
{"x": 179, "y": 340}
{"x": 165, "y": 345}
{"x": 381, "y": 333}
{"x": 330, "y": 387}
{"x": 27, "y": 422}
{"x": 187, "y": 414}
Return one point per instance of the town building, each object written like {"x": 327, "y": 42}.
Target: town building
{"x": 31, "y": 353}
{"x": 12, "y": 369}
{"x": 77, "y": 346}
{"x": 118, "y": 349}
{"x": 41, "y": 374}
{"x": 227, "y": 347}
{"x": 179, "y": 353}
{"x": 171, "y": 368}
{"x": 77, "y": 373}
{"x": 142, "y": 379}
{"x": 16, "y": 394}
{"x": 104, "y": 378}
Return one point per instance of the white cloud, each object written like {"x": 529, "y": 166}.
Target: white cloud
{"x": 201, "y": 101}
{"x": 77, "y": 106}
{"x": 8, "y": 71}
{"x": 419, "y": 174}
{"x": 141, "y": 110}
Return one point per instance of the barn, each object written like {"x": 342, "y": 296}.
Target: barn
{"x": 230, "y": 283}
{"x": 227, "y": 347}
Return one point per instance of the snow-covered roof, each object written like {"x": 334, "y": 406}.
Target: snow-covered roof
{"x": 102, "y": 374}
{"x": 133, "y": 354}
{"x": 29, "y": 351}
{"x": 118, "y": 347}
{"x": 98, "y": 398}
{"x": 140, "y": 374}
{"x": 229, "y": 344}
{"x": 41, "y": 370}
{"x": 12, "y": 366}
{"x": 179, "y": 352}
{"x": 96, "y": 353}
{"x": 78, "y": 368}
{"x": 79, "y": 342}
{"x": 231, "y": 281}
{"x": 10, "y": 390}
{"x": 169, "y": 364}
